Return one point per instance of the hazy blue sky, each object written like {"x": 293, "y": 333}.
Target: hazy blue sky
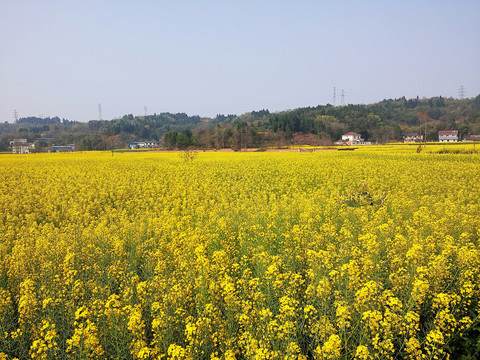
{"x": 62, "y": 58}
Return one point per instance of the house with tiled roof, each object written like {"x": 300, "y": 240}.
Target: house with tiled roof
{"x": 351, "y": 138}
{"x": 448, "y": 136}
{"x": 471, "y": 138}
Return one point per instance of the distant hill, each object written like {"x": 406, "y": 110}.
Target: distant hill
{"x": 387, "y": 120}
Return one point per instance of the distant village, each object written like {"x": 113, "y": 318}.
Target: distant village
{"x": 22, "y": 146}
{"x": 352, "y": 138}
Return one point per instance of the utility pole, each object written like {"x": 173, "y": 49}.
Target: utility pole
{"x": 425, "y": 132}
{"x": 423, "y": 115}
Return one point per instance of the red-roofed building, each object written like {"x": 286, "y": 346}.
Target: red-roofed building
{"x": 448, "y": 136}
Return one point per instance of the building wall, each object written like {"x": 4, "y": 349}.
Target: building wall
{"x": 447, "y": 138}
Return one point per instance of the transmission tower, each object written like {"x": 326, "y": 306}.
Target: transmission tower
{"x": 145, "y": 108}
{"x": 99, "y": 111}
{"x": 461, "y": 92}
{"x": 342, "y": 101}
{"x": 334, "y": 96}
{"x": 15, "y": 115}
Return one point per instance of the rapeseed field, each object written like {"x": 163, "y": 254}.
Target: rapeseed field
{"x": 365, "y": 254}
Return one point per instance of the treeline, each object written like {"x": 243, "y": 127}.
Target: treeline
{"x": 97, "y": 134}
{"x": 388, "y": 120}
{"x": 39, "y": 121}
{"x": 385, "y": 121}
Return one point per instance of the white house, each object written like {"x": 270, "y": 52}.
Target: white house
{"x": 143, "y": 144}
{"x": 409, "y": 138}
{"x": 20, "y": 146}
{"x": 448, "y": 136}
{"x": 351, "y": 138}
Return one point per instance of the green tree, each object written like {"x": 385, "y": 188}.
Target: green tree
{"x": 184, "y": 139}
{"x": 476, "y": 103}
{"x": 397, "y": 132}
{"x": 171, "y": 139}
